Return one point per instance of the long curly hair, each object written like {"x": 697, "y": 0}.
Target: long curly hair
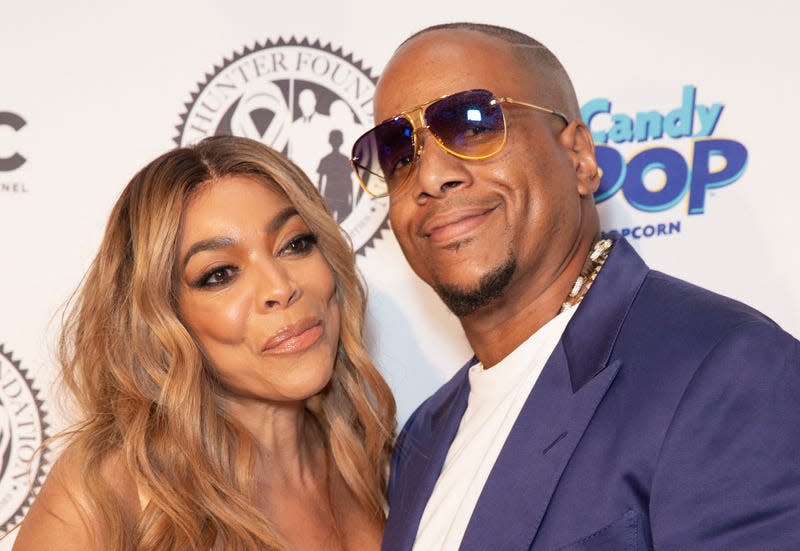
{"x": 145, "y": 392}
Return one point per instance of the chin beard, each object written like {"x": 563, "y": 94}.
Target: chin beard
{"x": 463, "y": 302}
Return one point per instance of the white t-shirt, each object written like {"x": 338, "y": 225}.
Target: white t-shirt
{"x": 495, "y": 399}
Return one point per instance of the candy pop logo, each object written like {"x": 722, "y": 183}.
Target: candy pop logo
{"x": 710, "y": 162}
{"x": 306, "y": 100}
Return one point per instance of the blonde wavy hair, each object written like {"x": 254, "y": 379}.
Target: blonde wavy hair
{"x": 146, "y": 393}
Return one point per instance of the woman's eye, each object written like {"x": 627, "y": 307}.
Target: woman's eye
{"x": 300, "y": 245}
{"x": 216, "y": 277}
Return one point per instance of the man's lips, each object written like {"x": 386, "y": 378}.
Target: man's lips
{"x": 295, "y": 337}
{"x": 453, "y": 224}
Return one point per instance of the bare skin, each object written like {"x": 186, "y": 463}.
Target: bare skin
{"x": 258, "y": 295}
{"x": 294, "y": 497}
{"x": 295, "y": 491}
{"x": 261, "y": 302}
{"x": 457, "y": 220}
{"x": 55, "y": 520}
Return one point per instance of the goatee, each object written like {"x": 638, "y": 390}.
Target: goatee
{"x": 463, "y": 302}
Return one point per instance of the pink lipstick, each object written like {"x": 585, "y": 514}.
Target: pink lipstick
{"x": 294, "y": 338}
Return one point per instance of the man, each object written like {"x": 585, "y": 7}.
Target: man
{"x": 608, "y": 406}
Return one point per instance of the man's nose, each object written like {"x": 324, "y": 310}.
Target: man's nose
{"x": 436, "y": 170}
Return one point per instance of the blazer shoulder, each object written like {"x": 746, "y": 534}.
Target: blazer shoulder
{"x": 681, "y": 296}
{"x": 436, "y": 402}
{"x": 427, "y": 421}
{"x": 676, "y": 308}
{"x": 673, "y": 328}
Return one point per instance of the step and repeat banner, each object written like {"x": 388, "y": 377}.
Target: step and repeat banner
{"x": 693, "y": 107}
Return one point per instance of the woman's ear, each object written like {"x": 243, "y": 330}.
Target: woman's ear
{"x": 578, "y": 140}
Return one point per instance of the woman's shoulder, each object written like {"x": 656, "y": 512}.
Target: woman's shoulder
{"x": 60, "y": 516}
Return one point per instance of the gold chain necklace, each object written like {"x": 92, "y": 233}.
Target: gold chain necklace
{"x": 594, "y": 261}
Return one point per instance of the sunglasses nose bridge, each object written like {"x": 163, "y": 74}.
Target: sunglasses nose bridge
{"x": 421, "y": 136}
{"x": 416, "y": 117}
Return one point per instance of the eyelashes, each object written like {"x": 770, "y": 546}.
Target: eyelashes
{"x": 215, "y": 277}
{"x": 298, "y": 246}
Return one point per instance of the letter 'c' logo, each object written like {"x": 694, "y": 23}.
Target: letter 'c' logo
{"x": 16, "y": 160}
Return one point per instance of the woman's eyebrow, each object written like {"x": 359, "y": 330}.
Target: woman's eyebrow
{"x": 214, "y": 243}
{"x": 211, "y": 244}
{"x": 281, "y": 218}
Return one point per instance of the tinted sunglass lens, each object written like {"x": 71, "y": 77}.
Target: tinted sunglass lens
{"x": 469, "y": 123}
{"x": 383, "y": 155}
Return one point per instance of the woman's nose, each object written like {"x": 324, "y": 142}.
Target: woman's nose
{"x": 278, "y": 287}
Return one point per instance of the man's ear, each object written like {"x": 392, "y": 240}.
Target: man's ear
{"x": 580, "y": 146}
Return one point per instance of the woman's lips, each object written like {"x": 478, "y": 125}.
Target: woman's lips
{"x": 294, "y": 338}
{"x": 449, "y": 226}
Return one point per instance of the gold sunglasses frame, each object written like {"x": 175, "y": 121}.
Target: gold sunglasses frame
{"x": 422, "y": 125}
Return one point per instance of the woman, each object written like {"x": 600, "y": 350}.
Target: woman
{"x": 215, "y": 351}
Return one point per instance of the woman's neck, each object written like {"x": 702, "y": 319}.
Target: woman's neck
{"x": 287, "y": 437}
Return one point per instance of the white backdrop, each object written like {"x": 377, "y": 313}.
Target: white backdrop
{"x": 91, "y": 91}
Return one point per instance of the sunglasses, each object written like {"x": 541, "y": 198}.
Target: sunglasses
{"x": 470, "y": 125}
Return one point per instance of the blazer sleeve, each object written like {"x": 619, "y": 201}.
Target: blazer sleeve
{"x": 728, "y": 473}
{"x": 399, "y": 457}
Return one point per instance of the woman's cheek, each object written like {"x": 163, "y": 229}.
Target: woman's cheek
{"x": 225, "y": 318}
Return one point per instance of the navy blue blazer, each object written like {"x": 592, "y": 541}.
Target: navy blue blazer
{"x": 667, "y": 418}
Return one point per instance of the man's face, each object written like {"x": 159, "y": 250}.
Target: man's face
{"x": 479, "y": 231}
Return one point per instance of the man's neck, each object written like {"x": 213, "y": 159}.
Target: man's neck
{"x": 527, "y": 305}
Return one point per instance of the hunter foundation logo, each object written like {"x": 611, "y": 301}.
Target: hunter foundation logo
{"x": 22, "y": 430}
{"x": 305, "y": 100}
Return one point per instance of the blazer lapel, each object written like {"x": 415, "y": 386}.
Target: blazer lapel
{"x": 423, "y": 453}
{"x": 549, "y": 427}
{"x": 523, "y": 479}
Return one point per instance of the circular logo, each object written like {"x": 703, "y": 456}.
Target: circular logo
{"x": 22, "y": 431}
{"x": 309, "y": 102}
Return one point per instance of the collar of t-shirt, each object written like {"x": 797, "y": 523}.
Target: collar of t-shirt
{"x": 524, "y": 362}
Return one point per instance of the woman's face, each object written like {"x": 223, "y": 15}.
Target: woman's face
{"x": 256, "y": 292}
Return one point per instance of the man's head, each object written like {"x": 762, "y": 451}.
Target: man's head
{"x": 505, "y": 228}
